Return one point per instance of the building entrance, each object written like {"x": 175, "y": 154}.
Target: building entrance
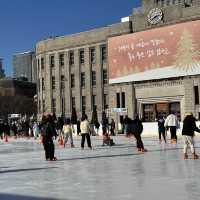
{"x": 156, "y": 110}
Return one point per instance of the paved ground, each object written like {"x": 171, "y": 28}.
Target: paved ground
{"x": 116, "y": 173}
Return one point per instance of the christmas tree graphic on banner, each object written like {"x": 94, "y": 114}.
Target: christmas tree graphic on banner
{"x": 187, "y": 55}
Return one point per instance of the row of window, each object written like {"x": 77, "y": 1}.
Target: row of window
{"x": 73, "y": 103}
{"x": 71, "y": 58}
{"x": 83, "y": 80}
{"x": 171, "y": 2}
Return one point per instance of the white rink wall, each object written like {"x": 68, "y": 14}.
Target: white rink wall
{"x": 150, "y": 129}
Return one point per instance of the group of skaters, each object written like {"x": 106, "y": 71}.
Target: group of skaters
{"x": 51, "y": 128}
{"x": 171, "y": 123}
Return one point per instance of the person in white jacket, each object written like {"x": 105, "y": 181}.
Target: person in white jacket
{"x": 85, "y": 131}
{"x": 172, "y": 124}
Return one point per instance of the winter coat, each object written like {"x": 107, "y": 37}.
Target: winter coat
{"x": 136, "y": 127}
{"x": 171, "y": 120}
{"x": 85, "y": 127}
{"x": 189, "y": 126}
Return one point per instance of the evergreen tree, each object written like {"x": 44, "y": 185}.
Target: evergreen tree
{"x": 187, "y": 55}
{"x": 74, "y": 116}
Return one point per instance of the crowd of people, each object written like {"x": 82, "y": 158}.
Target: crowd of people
{"x": 51, "y": 127}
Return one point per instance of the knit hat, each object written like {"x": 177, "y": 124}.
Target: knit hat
{"x": 188, "y": 114}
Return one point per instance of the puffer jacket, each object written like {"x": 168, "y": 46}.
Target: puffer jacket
{"x": 189, "y": 126}
{"x": 85, "y": 127}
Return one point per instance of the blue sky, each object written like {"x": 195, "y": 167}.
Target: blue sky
{"x": 24, "y": 22}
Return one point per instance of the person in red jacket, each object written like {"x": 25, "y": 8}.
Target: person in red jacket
{"x": 189, "y": 127}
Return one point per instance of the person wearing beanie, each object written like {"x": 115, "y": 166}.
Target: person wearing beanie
{"x": 189, "y": 127}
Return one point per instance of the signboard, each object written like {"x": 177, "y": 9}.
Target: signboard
{"x": 165, "y": 52}
{"x": 119, "y": 110}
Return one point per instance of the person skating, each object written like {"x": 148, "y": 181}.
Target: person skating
{"x": 172, "y": 123}
{"x": 67, "y": 132}
{"x": 161, "y": 129}
{"x": 48, "y": 135}
{"x": 85, "y": 131}
{"x": 189, "y": 127}
{"x": 136, "y": 130}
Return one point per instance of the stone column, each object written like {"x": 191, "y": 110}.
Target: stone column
{"x": 48, "y": 88}
{"x": 88, "y": 81}
{"x": 57, "y": 94}
{"x": 68, "y": 95}
{"x": 77, "y": 80}
{"x": 99, "y": 81}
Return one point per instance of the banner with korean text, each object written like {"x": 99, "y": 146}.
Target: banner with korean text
{"x": 158, "y": 53}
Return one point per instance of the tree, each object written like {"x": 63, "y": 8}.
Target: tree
{"x": 74, "y": 116}
{"x": 94, "y": 119}
{"x": 187, "y": 55}
{"x": 2, "y": 73}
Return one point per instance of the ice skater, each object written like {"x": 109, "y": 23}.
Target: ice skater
{"x": 189, "y": 127}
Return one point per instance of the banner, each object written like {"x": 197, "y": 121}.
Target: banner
{"x": 165, "y": 52}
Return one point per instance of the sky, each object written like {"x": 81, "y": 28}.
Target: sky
{"x": 25, "y": 22}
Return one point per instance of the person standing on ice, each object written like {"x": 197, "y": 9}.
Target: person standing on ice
{"x": 172, "y": 123}
{"x": 189, "y": 127}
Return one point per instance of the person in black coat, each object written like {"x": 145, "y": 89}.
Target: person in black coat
{"x": 48, "y": 134}
{"x": 189, "y": 127}
{"x": 161, "y": 129}
{"x": 136, "y": 130}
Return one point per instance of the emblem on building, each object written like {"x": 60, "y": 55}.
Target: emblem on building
{"x": 155, "y": 16}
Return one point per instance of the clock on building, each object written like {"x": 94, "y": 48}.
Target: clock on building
{"x": 155, "y": 16}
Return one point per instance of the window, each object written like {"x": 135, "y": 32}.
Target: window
{"x": 105, "y": 76}
{"x": 83, "y": 103}
{"x": 123, "y": 100}
{"x": 61, "y": 60}
{"x": 93, "y": 78}
{"x": 43, "y": 86}
{"x": 62, "y": 83}
{"x": 92, "y": 55}
{"x": 118, "y": 100}
{"x": 103, "y": 54}
{"x": 81, "y": 57}
{"x": 63, "y": 106}
{"x": 71, "y": 58}
{"x": 52, "y": 62}
{"x": 94, "y": 103}
{"x": 72, "y": 81}
{"x": 53, "y": 81}
{"x": 105, "y": 101}
{"x": 82, "y": 79}
{"x": 42, "y": 63}
{"x": 73, "y": 102}
{"x": 196, "y": 94}
{"x": 148, "y": 112}
{"x": 54, "y": 105}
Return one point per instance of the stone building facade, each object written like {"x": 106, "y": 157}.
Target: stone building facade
{"x": 24, "y": 65}
{"x": 17, "y": 97}
{"x": 72, "y": 71}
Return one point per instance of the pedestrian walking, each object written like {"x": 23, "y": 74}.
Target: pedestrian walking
{"x": 67, "y": 132}
{"x": 85, "y": 131}
{"x": 172, "y": 124}
{"x": 161, "y": 129}
{"x": 189, "y": 127}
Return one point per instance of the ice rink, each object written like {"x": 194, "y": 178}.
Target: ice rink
{"x": 104, "y": 173}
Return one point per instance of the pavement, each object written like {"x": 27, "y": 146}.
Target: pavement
{"x": 104, "y": 173}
